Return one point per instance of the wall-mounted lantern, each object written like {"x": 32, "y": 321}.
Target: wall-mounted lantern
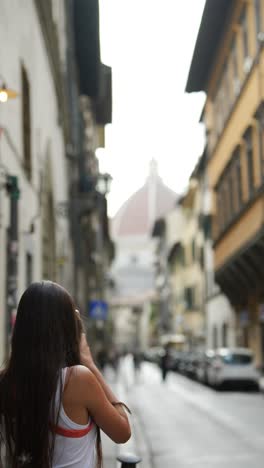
{"x": 103, "y": 183}
{"x": 5, "y": 92}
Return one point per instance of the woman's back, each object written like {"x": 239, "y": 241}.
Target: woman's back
{"x": 34, "y": 425}
{"x": 75, "y": 443}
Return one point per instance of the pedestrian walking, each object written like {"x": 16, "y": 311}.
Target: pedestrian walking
{"x": 137, "y": 364}
{"x": 165, "y": 362}
{"x": 53, "y": 398}
{"x": 102, "y": 359}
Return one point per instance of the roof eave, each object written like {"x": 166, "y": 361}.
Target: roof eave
{"x": 87, "y": 44}
{"x": 214, "y": 18}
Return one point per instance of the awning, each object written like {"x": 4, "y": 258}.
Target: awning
{"x": 243, "y": 274}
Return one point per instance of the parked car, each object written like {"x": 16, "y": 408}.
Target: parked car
{"x": 191, "y": 364}
{"x": 183, "y": 361}
{"x": 153, "y": 354}
{"x": 203, "y": 363}
{"x": 233, "y": 366}
{"x": 175, "y": 359}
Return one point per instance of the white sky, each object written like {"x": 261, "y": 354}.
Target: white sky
{"x": 149, "y": 45}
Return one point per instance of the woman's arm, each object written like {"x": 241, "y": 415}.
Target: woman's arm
{"x": 111, "y": 419}
{"x": 87, "y": 361}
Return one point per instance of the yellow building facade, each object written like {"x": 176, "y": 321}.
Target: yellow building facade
{"x": 228, "y": 64}
{"x": 186, "y": 276}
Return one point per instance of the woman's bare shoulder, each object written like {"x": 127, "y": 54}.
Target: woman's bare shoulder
{"x": 78, "y": 381}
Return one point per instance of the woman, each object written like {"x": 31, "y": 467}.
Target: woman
{"x": 53, "y": 399}
{"x": 165, "y": 362}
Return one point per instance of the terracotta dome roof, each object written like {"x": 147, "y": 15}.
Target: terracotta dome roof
{"x": 139, "y": 212}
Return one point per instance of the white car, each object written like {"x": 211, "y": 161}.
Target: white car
{"x": 233, "y": 365}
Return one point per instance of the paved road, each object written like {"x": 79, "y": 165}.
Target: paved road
{"x": 181, "y": 423}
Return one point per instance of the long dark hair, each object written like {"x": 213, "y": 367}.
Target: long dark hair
{"x": 46, "y": 338}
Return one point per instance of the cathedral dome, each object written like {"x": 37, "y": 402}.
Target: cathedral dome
{"x": 138, "y": 214}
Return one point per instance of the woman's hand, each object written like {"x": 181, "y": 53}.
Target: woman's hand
{"x": 85, "y": 353}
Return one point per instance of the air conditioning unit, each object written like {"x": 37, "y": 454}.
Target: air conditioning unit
{"x": 247, "y": 64}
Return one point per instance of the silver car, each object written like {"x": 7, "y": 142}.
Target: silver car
{"x": 233, "y": 365}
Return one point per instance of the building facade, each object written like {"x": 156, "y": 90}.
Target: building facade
{"x": 220, "y": 322}
{"x": 228, "y": 65}
{"x": 186, "y": 270}
{"x": 49, "y": 187}
{"x": 34, "y": 241}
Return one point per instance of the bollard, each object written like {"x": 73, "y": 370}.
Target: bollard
{"x": 128, "y": 460}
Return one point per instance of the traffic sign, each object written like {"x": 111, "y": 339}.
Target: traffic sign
{"x": 98, "y": 310}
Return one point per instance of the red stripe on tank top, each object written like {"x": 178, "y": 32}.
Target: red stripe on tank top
{"x": 72, "y": 433}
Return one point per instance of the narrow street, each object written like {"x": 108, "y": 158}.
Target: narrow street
{"x": 132, "y": 215}
{"x": 181, "y": 423}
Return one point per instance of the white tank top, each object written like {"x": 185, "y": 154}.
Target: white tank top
{"x": 75, "y": 444}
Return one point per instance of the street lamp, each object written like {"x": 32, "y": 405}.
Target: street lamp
{"x": 103, "y": 183}
{"x": 100, "y": 183}
{"x": 5, "y": 92}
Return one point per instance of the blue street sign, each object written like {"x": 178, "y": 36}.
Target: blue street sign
{"x": 98, "y": 310}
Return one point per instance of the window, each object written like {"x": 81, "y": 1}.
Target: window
{"x": 189, "y": 298}
{"x": 228, "y": 194}
{"x": 201, "y": 257}
{"x": 215, "y": 340}
{"x": 236, "y": 358}
{"x": 29, "y": 269}
{"x": 193, "y": 249}
{"x": 229, "y": 189}
{"x": 207, "y": 226}
{"x": 220, "y": 209}
{"x": 250, "y": 161}
{"x": 260, "y": 141}
{"x": 226, "y": 91}
{"x": 258, "y": 22}
{"x": 224, "y": 335}
{"x": 231, "y": 195}
{"x": 226, "y": 202}
{"x": 48, "y": 230}
{"x": 238, "y": 178}
{"x": 222, "y": 99}
{"x": 218, "y": 119}
{"x": 26, "y": 121}
{"x": 244, "y": 28}
{"x": 236, "y": 82}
